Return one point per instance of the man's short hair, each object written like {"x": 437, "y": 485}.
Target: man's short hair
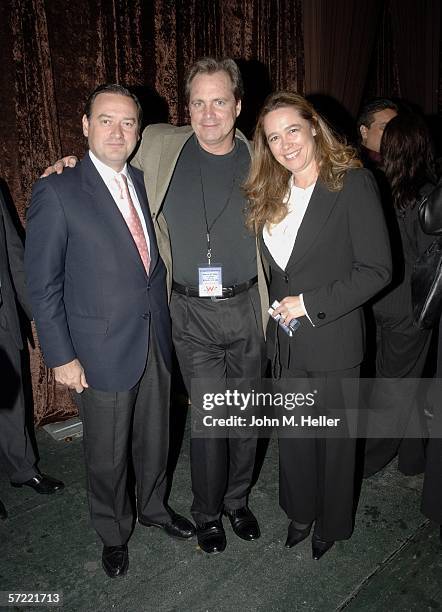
{"x": 374, "y": 106}
{"x": 210, "y": 65}
{"x": 115, "y": 89}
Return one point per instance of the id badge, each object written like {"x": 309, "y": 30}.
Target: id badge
{"x": 210, "y": 281}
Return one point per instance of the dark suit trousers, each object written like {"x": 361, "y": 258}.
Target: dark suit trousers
{"x": 16, "y": 452}
{"x": 432, "y": 489}
{"x": 401, "y": 353}
{"x": 116, "y": 425}
{"x": 219, "y": 340}
{"x": 316, "y": 476}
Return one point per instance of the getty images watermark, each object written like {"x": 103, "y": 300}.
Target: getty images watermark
{"x": 315, "y": 407}
{"x": 252, "y": 400}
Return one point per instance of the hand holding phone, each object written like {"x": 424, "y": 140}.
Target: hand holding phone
{"x": 289, "y": 328}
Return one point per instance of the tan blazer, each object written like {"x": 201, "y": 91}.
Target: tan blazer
{"x": 157, "y": 156}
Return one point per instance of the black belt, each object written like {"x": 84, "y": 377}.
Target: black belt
{"x": 228, "y": 292}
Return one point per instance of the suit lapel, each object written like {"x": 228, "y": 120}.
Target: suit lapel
{"x": 265, "y": 251}
{"x": 318, "y": 210}
{"x": 170, "y": 151}
{"x": 107, "y": 209}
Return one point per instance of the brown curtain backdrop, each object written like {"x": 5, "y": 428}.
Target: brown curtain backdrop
{"x": 265, "y": 36}
{"x": 338, "y": 42}
{"x": 416, "y": 34}
{"x": 383, "y": 75}
{"x": 54, "y": 52}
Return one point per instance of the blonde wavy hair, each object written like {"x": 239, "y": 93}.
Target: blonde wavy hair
{"x": 267, "y": 183}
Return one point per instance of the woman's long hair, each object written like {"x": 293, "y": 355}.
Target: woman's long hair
{"x": 407, "y": 157}
{"x": 267, "y": 184}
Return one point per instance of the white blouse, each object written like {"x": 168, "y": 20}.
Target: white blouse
{"x": 280, "y": 237}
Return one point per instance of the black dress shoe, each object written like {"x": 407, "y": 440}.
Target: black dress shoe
{"x": 244, "y": 523}
{"x": 115, "y": 560}
{"x": 41, "y": 484}
{"x": 211, "y": 537}
{"x": 320, "y": 547}
{"x": 178, "y": 526}
{"x": 3, "y": 513}
{"x": 295, "y": 535}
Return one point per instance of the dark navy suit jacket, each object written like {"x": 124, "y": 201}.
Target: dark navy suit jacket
{"x": 89, "y": 291}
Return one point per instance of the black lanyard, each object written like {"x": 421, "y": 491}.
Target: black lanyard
{"x": 222, "y": 211}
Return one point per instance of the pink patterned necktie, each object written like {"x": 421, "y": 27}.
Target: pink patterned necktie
{"x": 133, "y": 221}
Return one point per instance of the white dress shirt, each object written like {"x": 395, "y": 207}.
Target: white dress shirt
{"x": 108, "y": 175}
{"x": 280, "y": 237}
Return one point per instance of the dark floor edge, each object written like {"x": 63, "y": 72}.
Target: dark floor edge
{"x": 352, "y": 596}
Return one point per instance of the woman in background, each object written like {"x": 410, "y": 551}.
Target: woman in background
{"x": 431, "y": 221}
{"x": 322, "y": 231}
{"x": 401, "y": 348}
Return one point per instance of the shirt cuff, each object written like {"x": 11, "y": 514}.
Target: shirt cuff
{"x": 305, "y": 310}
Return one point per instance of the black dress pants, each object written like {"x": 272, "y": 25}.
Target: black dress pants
{"x": 218, "y": 340}
{"x": 116, "y": 425}
{"x": 16, "y": 453}
{"x": 401, "y": 353}
{"x": 316, "y": 476}
{"x": 432, "y": 489}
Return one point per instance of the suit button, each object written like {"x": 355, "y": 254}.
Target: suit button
{"x": 148, "y": 286}
{"x": 146, "y": 315}
{"x": 321, "y": 315}
{"x": 286, "y": 278}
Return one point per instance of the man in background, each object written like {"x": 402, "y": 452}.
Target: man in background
{"x": 371, "y": 123}
{"x": 16, "y": 451}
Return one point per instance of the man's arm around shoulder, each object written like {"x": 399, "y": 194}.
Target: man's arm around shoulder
{"x": 152, "y": 141}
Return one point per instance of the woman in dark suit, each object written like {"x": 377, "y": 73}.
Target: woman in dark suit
{"x": 322, "y": 231}
{"x": 402, "y": 348}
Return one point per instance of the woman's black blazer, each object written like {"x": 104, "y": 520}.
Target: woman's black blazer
{"x": 341, "y": 258}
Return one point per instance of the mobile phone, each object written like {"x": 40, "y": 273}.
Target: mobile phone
{"x": 289, "y": 328}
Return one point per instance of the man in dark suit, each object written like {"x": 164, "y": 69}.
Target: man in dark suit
{"x": 97, "y": 286}
{"x": 16, "y": 452}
